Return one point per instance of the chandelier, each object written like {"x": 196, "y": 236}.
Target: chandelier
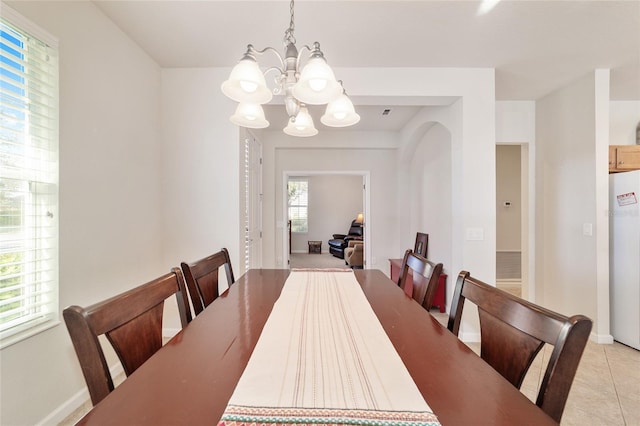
{"x": 314, "y": 85}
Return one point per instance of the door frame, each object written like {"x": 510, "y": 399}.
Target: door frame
{"x": 527, "y": 219}
{"x": 366, "y": 205}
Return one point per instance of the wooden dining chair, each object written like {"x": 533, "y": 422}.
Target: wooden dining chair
{"x": 425, "y": 275}
{"x": 131, "y": 321}
{"x": 512, "y": 332}
{"x": 202, "y": 278}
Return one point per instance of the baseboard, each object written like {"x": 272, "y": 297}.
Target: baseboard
{"x": 509, "y": 281}
{"x": 73, "y": 403}
{"x": 68, "y": 407}
{"x": 602, "y": 339}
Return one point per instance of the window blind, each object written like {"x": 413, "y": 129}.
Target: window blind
{"x": 298, "y": 204}
{"x": 247, "y": 204}
{"x": 28, "y": 180}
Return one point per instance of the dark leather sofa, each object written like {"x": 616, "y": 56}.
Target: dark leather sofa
{"x": 341, "y": 241}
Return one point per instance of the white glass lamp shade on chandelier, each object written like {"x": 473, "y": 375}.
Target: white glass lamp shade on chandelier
{"x": 249, "y": 115}
{"x": 315, "y": 84}
{"x": 340, "y": 113}
{"x": 302, "y": 125}
{"x": 247, "y": 84}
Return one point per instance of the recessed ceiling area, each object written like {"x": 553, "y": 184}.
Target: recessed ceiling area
{"x": 370, "y": 109}
{"x": 371, "y": 118}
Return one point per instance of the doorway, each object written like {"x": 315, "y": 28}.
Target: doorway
{"x": 512, "y": 224}
{"x": 334, "y": 199}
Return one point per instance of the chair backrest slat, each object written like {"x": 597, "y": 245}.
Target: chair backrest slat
{"x": 202, "y": 278}
{"x": 514, "y": 330}
{"x": 425, "y": 276}
{"x": 116, "y": 311}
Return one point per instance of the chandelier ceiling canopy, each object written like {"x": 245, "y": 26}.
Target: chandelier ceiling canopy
{"x": 315, "y": 84}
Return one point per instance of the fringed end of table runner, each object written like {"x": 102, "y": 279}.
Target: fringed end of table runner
{"x": 241, "y": 416}
{"x": 321, "y": 270}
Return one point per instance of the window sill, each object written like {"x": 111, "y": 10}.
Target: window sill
{"x": 18, "y": 337}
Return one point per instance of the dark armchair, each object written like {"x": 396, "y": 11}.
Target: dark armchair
{"x": 341, "y": 241}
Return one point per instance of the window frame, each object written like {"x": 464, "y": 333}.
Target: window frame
{"x": 303, "y": 206}
{"x": 38, "y": 185}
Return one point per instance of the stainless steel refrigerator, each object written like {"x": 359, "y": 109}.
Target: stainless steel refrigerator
{"x": 624, "y": 259}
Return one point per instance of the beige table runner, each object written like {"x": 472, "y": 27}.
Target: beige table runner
{"x": 324, "y": 358}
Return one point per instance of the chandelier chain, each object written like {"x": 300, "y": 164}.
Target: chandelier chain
{"x": 289, "y": 38}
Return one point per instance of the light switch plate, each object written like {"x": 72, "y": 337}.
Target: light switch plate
{"x": 475, "y": 234}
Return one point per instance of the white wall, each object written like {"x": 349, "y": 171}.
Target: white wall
{"x": 515, "y": 122}
{"x": 111, "y": 232}
{"x": 571, "y": 162}
{"x": 201, "y": 167}
{"x": 205, "y": 114}
{"x": 471, "y": 122}
{"x": 625, "y": 117}
{"x": 334, "y": 201}
{"x": 439, "y": 131}
{"x": 431, "y": 208}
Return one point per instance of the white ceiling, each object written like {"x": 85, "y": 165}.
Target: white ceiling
{"x": 535, "y": 46}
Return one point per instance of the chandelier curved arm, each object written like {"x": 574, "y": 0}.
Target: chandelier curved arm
{"x": 279, "y": 70}
{"x": 316, "y": 46}
{"x": 252, "y": 51}
{"x": 278, "y": 79}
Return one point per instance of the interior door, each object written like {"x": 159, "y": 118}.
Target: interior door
{"x": 365, "y": 214}
{"x": 253, "y": 209}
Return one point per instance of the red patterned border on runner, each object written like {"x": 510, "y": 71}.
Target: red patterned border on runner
{"x": 237, "y": 415}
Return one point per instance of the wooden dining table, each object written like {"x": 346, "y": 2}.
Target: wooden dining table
{"x": 190, "y": 380}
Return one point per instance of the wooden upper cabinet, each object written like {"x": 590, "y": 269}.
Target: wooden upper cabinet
{"x": 624, "y": 157}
